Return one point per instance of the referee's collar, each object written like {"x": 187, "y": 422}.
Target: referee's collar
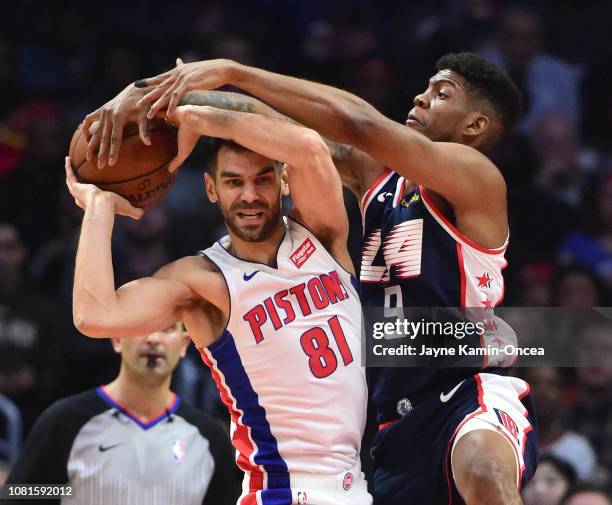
{"x": 167, "y": 413}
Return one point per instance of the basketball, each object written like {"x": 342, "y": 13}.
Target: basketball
{"x": 140, "y": 173}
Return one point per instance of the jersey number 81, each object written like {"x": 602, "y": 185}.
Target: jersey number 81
{"x": 321, "y": 358}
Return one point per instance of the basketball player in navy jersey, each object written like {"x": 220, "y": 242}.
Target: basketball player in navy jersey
{"x": 272, "y": 307}
{"x": 446, "y": 436}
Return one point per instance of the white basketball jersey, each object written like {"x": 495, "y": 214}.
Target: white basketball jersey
{"x": 288, "y": 365}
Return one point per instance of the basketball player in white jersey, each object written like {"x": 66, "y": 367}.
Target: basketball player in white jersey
{"x": 272, "y": 307}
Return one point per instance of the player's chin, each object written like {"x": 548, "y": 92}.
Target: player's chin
{"x": 252, "y": 231}
{"x": 415, "y": 125}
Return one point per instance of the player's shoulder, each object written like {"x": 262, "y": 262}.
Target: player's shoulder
{"x": 478, "y": 164}
{"x": 197, "y": 264}
{"x": 470, "y": 155}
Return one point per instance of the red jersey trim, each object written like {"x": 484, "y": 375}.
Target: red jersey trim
{"x": 462, "y": 275}
{"x": 368, "y": 194}
{"x": 454, "y": 232}
{"x": 399, "y": 191}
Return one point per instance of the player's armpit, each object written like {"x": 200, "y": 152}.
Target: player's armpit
{"x": 204, "y": 279}
{"x": 357, "y": 169}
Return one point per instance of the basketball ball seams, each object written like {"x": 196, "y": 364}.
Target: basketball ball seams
{"x": 153, "y": 202}
{"x": 76, "y": 167}
{"x": 141, "y": 172}
{"x": 163, "y": 165}
{"x": 165, "y": 184}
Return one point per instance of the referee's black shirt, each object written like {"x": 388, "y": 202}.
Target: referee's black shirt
{"x": 110, "y": 457}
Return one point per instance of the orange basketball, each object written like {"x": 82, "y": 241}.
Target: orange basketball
{"x": 140, "y": 173}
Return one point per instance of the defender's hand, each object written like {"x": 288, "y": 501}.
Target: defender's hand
{"x": 172, "y": 85}
{"x": 189, "y": 119}
{"x": 111, "y": 118}
{"x": 84, "y": 194}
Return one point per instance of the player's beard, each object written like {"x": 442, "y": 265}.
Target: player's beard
{"x": 257, "y": 233}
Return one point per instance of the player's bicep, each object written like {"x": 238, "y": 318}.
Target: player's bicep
{"x": 457, "y": 172}
{"x": 141, "y": 306}
{"x": 316, "y": 190}
{"x": 463, "y": 174}
{"x": 149, "y": 304}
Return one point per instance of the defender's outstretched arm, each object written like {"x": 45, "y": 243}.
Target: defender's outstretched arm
{"x": 457, "y": 172}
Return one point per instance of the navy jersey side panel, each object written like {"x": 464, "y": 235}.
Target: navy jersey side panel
{"x": 408, "y": 259}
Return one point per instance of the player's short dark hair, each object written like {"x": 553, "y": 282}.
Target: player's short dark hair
{"x": 584, "y": 487}
{"x": 489, "y": 82}
{"x": 214, "y": 145}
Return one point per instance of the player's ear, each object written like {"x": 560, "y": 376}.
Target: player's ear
{"x": 186, "y": 340}
{"x": 476, "y": 124}
{"x": 116, "y": 343}
{"x": 284, "y": 178}
{"x": 211, "y": 190}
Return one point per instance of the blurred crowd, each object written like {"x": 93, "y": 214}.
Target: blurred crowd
{"x": 60, "y": 60}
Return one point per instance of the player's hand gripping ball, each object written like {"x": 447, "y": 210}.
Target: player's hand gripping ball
{"x": 140, "y": 173}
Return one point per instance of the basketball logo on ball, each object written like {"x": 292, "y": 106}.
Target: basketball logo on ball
{"x": 140, "y": 173}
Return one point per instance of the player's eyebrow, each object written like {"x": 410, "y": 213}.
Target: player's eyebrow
{"x": 450, "y": 77}
{"x": 262, "y": 171}
{"x": 265, "y": 170}
{"x": 227, "y": 173}
{"x": 433, "y": 81}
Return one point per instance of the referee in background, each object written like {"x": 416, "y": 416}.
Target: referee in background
{"x": 132, "y": 441}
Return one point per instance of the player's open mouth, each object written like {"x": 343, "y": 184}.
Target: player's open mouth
{"x": 250, "y": 216}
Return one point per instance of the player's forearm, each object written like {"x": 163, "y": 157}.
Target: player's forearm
{"x": 227, "y": 100}
{"x": 94, "y": 296}
{"x": 271, "y": 137}
{"x": 344, "y": 118}
{"x": 239, "y": 102}
{"x": 334, "y": 113}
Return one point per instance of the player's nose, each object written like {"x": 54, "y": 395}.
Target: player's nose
{"x": 421, "y": 101}
{"x": 249, "y": 192}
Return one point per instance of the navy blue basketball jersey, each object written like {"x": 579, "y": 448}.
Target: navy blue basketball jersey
{"x": 412, "y": 256}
